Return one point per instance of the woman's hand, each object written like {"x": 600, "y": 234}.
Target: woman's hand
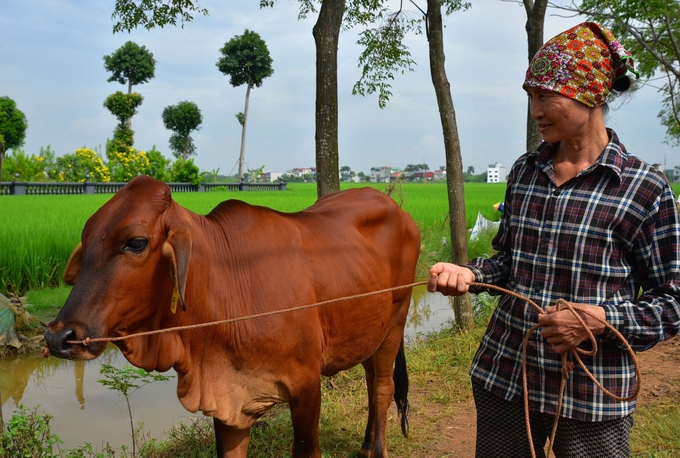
{"x": 450, "y": 279}
{"x": 563, "y": 331}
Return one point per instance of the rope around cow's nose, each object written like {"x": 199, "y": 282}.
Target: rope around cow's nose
{"x": 567, "y": 366}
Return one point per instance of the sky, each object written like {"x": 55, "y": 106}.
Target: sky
{"x": 51, "y": 65}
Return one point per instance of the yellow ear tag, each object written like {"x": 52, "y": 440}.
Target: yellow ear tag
{"x": 175, "y": 298}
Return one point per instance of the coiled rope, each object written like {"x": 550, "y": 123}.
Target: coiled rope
{"x": 567, "y": 366}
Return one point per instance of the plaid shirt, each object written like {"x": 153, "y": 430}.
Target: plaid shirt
{"x": 609, "y": 237}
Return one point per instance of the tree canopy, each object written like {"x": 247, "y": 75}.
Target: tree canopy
{"x": 182, "y": 119}
{"x": 123, "y": 106}
{"x": 130, "y": 64}
{"x": 245, "y": 58}
{"x": 13, "y": 127}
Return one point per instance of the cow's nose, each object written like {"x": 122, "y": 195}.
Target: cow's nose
{"x": 56, "y": 342}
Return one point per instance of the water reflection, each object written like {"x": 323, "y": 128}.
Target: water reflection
{"x": 428, "y": 312}
{"x": 86, "y": 411}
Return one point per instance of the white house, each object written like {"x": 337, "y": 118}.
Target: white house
{"x": 273, "y": 176}
{"x": 495, "y": 173}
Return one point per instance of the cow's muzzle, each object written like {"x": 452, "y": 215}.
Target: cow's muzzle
{"x": 56, "y": 342}
{"x": 58, "y": 338}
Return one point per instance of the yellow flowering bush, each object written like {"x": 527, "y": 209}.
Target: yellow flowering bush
{"x": 75, "y": 167}
{"x": 127, "y": 163}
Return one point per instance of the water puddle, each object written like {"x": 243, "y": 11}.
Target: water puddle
{"x": 87, "y": 411}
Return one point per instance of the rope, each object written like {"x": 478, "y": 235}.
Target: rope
{"x": 89, "y": 340}
{"x": 567, "y": 366}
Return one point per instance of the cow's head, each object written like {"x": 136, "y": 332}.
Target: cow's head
{"x": 134, "y": 255}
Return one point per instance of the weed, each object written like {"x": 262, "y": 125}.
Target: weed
{"x": 126, "y": 381}
{"x": 28, "y": 434}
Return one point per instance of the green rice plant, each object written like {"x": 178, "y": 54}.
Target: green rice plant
{"x": 39, "y": 233}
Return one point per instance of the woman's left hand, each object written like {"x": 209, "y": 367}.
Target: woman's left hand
{"x": 563, "y": 331}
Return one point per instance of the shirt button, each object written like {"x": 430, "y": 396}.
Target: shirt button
{"x": 556, "y": 192}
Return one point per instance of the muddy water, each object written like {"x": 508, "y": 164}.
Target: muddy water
{"x": 86, "y": 411}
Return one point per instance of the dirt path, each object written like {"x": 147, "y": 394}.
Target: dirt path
{"x": 660, "y": 368}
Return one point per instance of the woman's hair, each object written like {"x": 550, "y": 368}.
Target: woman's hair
{"x": 623, "y": 84}
{"x": 623, "y": 88}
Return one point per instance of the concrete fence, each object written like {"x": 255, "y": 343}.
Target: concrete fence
{"x": 21, "y": 188}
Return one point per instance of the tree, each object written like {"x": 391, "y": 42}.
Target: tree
{"x": 245, "y": 58}
{"x": 333, "y": 15}
{"x": 386, "y": 54}
{"x": 182, "y": 171}
{"x": 416, "y": 167}
{"x": 123, "y": 107}
{"x": 182, "y": 119}
{"x": 131, "y": 65}
{"x": 13, "y": 127}
{"x": 535, "y": 10}
{"x": 158, "y": 164}
{"x": 471, "y": 170}
{"x": 462, "y": 305}
{"x": 650, "y": 30}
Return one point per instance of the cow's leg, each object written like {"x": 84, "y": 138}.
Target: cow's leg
{"x": 383, "y": 390}
{"x": 369, "y": 437}
{"x": 231, "y": 443}
{"x": 305, "y": 408}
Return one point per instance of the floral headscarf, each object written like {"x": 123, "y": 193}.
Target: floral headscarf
{"x": 581, "y": 63}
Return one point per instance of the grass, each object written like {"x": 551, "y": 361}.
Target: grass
{"x": 656, "y": 433}
{"x": 39, "y": 233}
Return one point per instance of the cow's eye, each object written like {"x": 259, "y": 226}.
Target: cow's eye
{"x": 136, "y": 245}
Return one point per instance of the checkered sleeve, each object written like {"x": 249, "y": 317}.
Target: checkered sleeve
{"x": 655, "y": 315}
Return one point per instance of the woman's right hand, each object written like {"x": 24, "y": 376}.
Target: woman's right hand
{"x": 450, "y": 279}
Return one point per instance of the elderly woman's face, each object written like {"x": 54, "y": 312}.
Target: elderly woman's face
{"x": 559, "y": 118}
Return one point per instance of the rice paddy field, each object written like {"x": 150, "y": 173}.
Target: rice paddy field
{"x": 38, "y": 233}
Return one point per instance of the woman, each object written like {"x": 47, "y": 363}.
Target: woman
{"x": 587, "y": 222}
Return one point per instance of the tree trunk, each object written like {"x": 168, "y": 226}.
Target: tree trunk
{"x": 2, "y": 157}
{"x": 534, "y": 26}
{"x": 462, "y": 306}
{"x": 243, "y": 135}
{"x": 326, "y": 33}
{"x": 129, "y": 121}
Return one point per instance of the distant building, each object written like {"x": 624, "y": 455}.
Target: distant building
{"x": 495, "y": 173}
{"x": 423, "y": 176}
{"x": 439, "y": 175}
{"x": 385, "y": 174}
{"x": 676, "y": 174}
{"x": 300, "y": 172}
{"x": 273, "y": 176}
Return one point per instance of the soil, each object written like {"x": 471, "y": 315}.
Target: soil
{"x": 660, "y": 371}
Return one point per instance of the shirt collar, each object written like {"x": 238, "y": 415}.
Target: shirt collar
{"x": 614, "y": 156}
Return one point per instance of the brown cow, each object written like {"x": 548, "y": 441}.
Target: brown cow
{"x": 242, "y": 260}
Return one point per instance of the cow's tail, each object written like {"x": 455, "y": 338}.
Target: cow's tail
{"x": 400, "y": 378}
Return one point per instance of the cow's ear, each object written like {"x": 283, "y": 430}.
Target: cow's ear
{"x": 177, "y": 248}
{"x": 73, "y": 265}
